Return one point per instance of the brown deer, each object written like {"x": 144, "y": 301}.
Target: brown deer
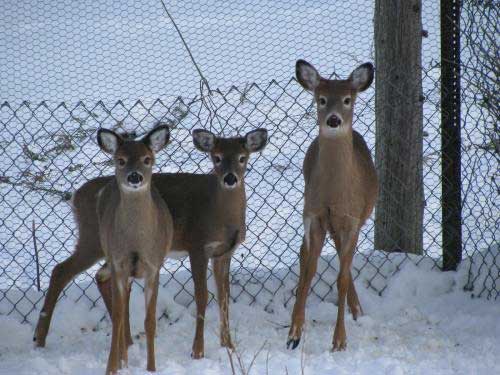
{"x": 135, "y": 231}
{"x": 340, "y": 190}
{"x": 208, "y": 211}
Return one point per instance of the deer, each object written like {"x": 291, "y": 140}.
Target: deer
{"x": 135, "y": 232}
{"x": 208, "y": 212}
{"x": 340, "y": 191}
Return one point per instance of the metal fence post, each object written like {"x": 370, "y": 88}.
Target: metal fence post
{"x": 450, "y": 135}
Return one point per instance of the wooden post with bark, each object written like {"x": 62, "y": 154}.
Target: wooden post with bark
{"x": 399, "y": 115}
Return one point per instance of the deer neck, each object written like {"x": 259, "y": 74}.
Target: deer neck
{"x": 335, "y": 175}
{"x": 336, "y": 154}
{"x": 135, "y": 205}
{"x": 230, "y": 203}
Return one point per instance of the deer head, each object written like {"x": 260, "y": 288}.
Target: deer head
{"x": 230, "y": 155}
{"x": 334, "y": 98}
{"x": 133, "y": 160}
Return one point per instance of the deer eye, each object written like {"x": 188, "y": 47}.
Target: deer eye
{"x": 242, "y": 159}
{"x": 322, "y": 101}
{"x": 217, "y": 159}
{"x": 121, "y": 162}
{"x": 347, "y": 101}
{"x": 147, "y": 160}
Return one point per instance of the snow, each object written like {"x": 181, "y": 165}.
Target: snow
{"x": 423, "y": 323}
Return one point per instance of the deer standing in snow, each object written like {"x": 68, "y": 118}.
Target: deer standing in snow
{"x": 135, "y": 231}
{"x": 340, "y": 190}
{"x": 208, "y": 212}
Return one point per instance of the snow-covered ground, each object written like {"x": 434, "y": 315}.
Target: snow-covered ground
{"x": 424, "y": 323}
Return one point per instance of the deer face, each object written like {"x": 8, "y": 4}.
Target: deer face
{"x": 133, "y": 160}
{"x": 334, "y": 98}
{"x": 230, "y": 155}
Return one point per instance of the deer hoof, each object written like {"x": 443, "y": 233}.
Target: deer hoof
{"x": 197, "y": 355}
{"x": 292, "y": 343}
{"x": 356, "y": 312}
{"x": 339, "y": 346}
{"x": 38, "y": 342}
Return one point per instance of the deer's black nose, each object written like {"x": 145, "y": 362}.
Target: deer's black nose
{"x": 333, "y": 121}
{"x": 230, "y": 179}
{"x": 134, "y": 178}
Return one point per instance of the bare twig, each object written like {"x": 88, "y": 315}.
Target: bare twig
{"x": 204, "y": 80}
{"x": 230, "y": 355}
{"x": 64, "y": 195}
{"x": 255, "y": 356}
{"x": 243, "y": 370}
{"x": 36, "y": 255}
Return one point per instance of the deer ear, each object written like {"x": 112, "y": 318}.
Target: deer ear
{"x": 307, "y": 75}
{"x": 108, "y": 140}
{"x": 203, "y": 140}
{"x": 256, "y": 140}
{"x": 362, "y": 77}
{"x": 157, "y": 138}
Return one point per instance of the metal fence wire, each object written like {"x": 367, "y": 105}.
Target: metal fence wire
{"x": 49, "y": 149}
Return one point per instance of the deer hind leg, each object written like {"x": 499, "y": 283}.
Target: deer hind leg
{"x": 199, "y": 266}
{"x": 312, "y": 244}
{"x": 221, "y": 267}
{"x": 352, "y": 296}
{"x": 118, "y": 351}
{"x": 353, "y": 300}
{"x": 85, "y": 256}
{"x": 150, "y": 296}
{"x": 103, "y": 281}
{"x": 348, "y": 240}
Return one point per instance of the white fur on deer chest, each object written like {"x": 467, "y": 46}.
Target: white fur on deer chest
{"x": 212, "y": 247}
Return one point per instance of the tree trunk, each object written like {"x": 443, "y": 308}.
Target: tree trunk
{"x": 399, "y": 113}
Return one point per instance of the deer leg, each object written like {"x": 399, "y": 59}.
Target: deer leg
{"x": 125, "y": 337}
{"x": 221, "y": 267}
{"x": 128, "y": 334}
{"x": 312, "y": 244}
{"x": 348, "y": 240}
{"x": 119, "y": 285}
{"x": 150, "y": 296}
{"x": 104, "y": 285}
{"x": 82, "y": 259}
{"x": 352, "y": 296}
{"x": 199, "y": 266}
{"x": 103, "y": 281}
{"x": 353, "y": 300}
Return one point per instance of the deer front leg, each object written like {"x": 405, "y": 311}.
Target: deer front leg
{"x": 103, "y": 281}
{"x": 348, "y": 240}
{"x": 150, "y": 296}
{"x": 82, "y": 259}
{"x": 199, "y": 266}
{"x": 119, "y": 285}
{"x": 312, "y": 244}
{"x": 221, "y": 268}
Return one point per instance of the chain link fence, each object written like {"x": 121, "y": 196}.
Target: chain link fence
{"x": 119, "y": 51}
